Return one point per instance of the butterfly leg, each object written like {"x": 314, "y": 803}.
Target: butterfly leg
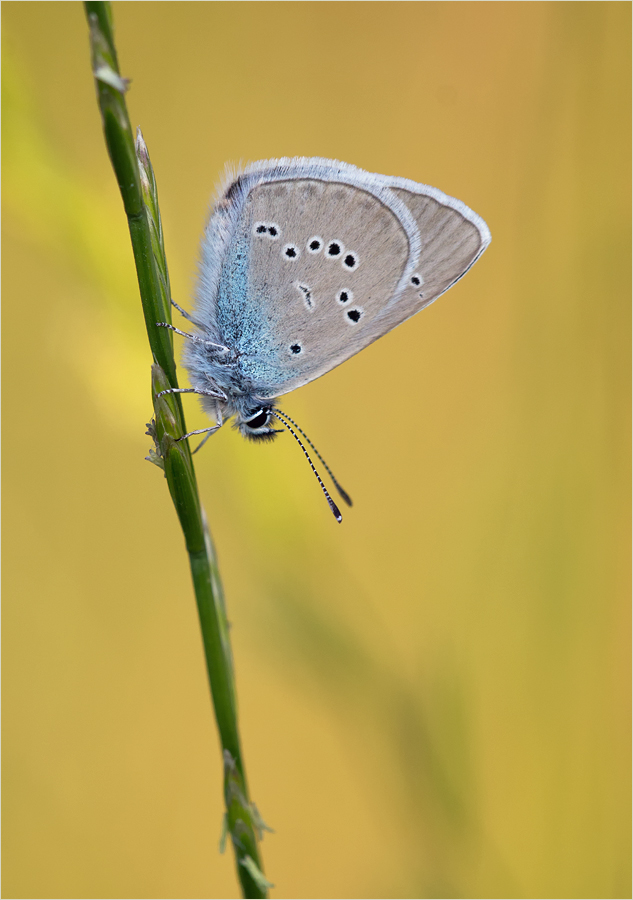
{"x": 220, "y": 395}
{"x": 220, "y": 420}
{"x": 218, "y": 413}
{"x": 206, "y": 438}
{"x": 207, "y": 431}
{"x": 219, "y": 348}
{"x": 183, "y": 312}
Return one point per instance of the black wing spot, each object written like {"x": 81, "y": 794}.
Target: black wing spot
{"x": 416, "y": 280}
{"x": 267, "y": 229}
{"x": 334, "y": 250}
{"x": 314, "y": 244}
{"x": 307, "y": 294}
{"x": 350, "y": 261}
{"x": 354, "y": 315}
{"x": 296, "y": 349}
{"x": 291, "y": 251}
{"x": 344, "y": 297}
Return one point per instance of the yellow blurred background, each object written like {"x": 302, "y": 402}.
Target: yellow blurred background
{"x": 434, "y": 696}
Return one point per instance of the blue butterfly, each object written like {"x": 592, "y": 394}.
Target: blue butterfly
{"x": 304, "y": 262}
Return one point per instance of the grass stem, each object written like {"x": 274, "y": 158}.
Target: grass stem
{"x": 135, "y": 176}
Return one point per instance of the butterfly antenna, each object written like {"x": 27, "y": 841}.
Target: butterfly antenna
{"x": 332, "y": 504}
{"x": 338, "y": 487}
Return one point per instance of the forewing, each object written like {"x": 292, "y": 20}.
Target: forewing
{"x": 335, "y": 258}
{"x": 306, "y": 261}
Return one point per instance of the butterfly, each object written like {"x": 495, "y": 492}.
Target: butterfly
{"x": 305, "y": 262}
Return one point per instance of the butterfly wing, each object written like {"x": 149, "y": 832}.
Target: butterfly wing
{"x": 307, "y": 261}
{"x": 452, "y": 238}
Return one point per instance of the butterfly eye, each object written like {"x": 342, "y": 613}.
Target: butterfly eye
{"x": 334, "y": 250}
{"x": 258, "y": 420}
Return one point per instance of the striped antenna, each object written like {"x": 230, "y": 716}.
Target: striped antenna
{"x": 338, "y": 487}
{"x": 332, "y": 504}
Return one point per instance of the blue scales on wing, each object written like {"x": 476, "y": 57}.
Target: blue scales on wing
{"x": 312, "y": 260}
{"x": 311, "y": 265}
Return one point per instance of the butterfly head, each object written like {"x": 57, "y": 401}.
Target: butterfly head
{"x": 256, "y": 424}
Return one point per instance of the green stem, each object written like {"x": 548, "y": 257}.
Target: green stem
{"x": 137, "y": 184}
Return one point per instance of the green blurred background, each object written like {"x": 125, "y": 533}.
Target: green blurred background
{"x": 434, "y": 696}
